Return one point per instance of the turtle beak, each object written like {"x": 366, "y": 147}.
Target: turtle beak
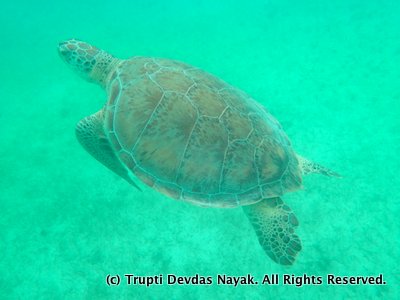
{"x": 63, "y": 51}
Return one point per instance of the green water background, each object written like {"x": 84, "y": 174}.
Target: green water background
{"x": 328, "y": 70}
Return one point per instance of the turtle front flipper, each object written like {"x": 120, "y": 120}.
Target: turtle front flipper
{"x": 274, "y": 223}
{"x": 90, "y": 134}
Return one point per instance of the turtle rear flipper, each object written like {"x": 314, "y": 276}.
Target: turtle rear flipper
{"x": 274, "y": 223}
{"x": 308, "y": 166}
{"x": 90, "y": 134}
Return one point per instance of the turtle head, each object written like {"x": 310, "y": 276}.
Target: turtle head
{"x": 90, "y": 62}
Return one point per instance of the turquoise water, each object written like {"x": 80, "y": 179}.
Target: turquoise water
{"x": 328, "y": 70}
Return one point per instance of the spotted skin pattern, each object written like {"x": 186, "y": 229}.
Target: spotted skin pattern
{"x": 91, "y": 63}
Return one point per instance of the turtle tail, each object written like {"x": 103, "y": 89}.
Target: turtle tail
{"x": 308, "y": 166}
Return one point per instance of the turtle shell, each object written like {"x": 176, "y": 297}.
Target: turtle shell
{"x": 194, "y": 137}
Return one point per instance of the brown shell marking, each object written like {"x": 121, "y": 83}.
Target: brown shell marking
{"x": 193, "y": 137}
{"x": 199, "y": 172}
{"x": 173, "y": 122}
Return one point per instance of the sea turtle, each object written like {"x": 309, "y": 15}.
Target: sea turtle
{"x": 193, "y": 137}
